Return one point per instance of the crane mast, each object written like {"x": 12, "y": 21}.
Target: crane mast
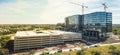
{"x": 105, "y": 6}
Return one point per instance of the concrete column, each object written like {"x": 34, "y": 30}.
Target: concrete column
{"x": 93, "y": 34}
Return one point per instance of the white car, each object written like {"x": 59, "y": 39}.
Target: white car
{"x": 52, "y": 52}
{"x": 65, "y": 50}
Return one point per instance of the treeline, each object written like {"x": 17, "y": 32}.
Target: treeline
{"x": 12, "y": 28}
{"x": 116, "y": 30}
{"x": 6, "y": 44}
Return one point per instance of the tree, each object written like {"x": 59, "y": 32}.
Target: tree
{"x": 4, "y": 51}
{"x": 10, "y": 45}
{"x": 95, "y": 53}
{"x": 4, "y": 40}
{"x": 31, "y": 52}
{"x": 115, "y": 52}
{"x": 81, "y": 52}
{"x": 112, "y": 48}
{"x": 45, "y": 53}
{"x": 115, "y": 32}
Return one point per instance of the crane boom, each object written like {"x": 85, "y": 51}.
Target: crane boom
{"x": 83, "y": 6}
{"x": 105, "y": 6}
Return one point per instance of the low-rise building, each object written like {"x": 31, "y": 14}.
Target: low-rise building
{"x": 26, "y": 40}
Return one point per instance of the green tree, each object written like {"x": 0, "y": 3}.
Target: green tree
{"x": 115, "y": 32}
{"x": 31, "y": 52}
{"x": 4, "y": 40}
{"x": 112, "y": 48}
{"x": 80, "y": 52}
{"x": 4, "y": 51}
{"x": 45, "y": 53}
{"x": 95, "y": 53}
{"x": 115, "y": 52}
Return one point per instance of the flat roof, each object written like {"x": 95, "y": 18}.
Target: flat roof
{"x": 40, "y": 33}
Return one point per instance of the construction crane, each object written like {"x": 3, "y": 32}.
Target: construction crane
{"x": 105, "y": 6}
{"x": 83, "y": 6}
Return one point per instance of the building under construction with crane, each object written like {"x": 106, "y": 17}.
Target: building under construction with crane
{"x": 93, "y": 26}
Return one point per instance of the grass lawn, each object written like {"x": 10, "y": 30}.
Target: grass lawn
{"x": 103, "y": 50}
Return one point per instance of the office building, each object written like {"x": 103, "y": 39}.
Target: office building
{"x": 94, "y": 26}
{"x": 73, "y": 22}
{"x": 98, "y": 24}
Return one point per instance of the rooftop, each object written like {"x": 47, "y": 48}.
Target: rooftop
{"x": 39, "y": 33}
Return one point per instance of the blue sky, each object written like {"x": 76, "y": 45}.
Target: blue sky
{"x": 51, "y": 11}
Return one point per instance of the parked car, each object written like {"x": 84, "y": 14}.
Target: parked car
{"x": 59, "y": 51}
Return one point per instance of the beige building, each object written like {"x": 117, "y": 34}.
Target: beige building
{"x": 26, "y": 40}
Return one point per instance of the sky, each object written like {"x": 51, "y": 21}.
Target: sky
{"x": 51, "y": 11}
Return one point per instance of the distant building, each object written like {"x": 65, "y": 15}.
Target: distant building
{"x": 27, "y": 40}
{"x": 93, "y": 25}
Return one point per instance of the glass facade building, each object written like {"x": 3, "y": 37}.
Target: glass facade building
{"x": 97, "y": 24}
{"x": 73, "y": 22}
{"x": 93, "y": 25}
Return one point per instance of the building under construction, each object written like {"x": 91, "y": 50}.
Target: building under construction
{"x": 97, "y": 25}
{"x": 27, "y": 40}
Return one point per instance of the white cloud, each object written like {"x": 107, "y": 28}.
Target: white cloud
{"x": 54, "y": 11}
{"x": 116, "y": 15}
{"x": 17, "y": 7}
{"x": 116, "y": 20}
{"x": 21, "y": 10}
{"x": 57, "y": 10}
